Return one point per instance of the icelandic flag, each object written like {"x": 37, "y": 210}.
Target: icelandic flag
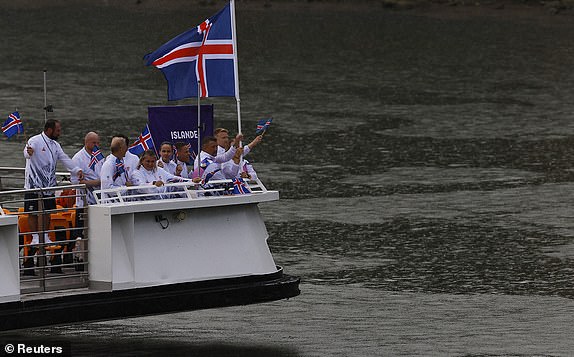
{"x": 143, "y": 143}
{"x": 13, "y": 125}
{"x": 120, "y": 168}
{"x": 262, "y": 125}
{"x": 239, "y": 187}
{"x": 204, "y": 54}
{"x": 96, "y": 157}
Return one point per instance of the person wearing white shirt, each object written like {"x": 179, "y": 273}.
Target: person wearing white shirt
{"x": 226, "y": 149}
{"x": 221, "y": 154}
{"x": 131, "y": 161}
{"x": 113, "y": 173}
{"x": 211, "y": 168}
{"x": 42, "y": 153}
{"x": 165, "y": 161}
{"x": 182, "y": 158}
{"x": 152, "y": 179}
{"x": 82, "y": 159}
{"x": 247, "y": 171}
{"x": 224, "y": 145}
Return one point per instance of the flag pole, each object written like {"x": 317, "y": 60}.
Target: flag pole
{"x": 236, "y": 74}
{"x": 45, "y": 100}
{"x": 198, "y": 129}
{"x": 235, "y": 66}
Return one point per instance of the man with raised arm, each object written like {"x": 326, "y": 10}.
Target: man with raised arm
{"x": 213, "y": 169}
{"x": 226, "y": 150}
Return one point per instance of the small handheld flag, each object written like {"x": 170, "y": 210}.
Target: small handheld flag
{"x": 13, "y": 125}
{"x": 239, "y": 187}
{"x": 120, "y": 169}
{"x": 143, "y": 143}
{"x": 262, "y": 125}
{"x": 96, "y": 157}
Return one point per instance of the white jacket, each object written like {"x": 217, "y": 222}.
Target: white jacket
{"x": 41, "y": 165}
{"x": 143, "y": 177}
{"x": 82, "y": 159}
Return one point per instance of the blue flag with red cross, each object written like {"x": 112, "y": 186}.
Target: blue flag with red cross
{"x": 204, "y": 54}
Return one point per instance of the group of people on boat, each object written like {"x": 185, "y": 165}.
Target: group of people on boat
{"x": 220, "y": 159}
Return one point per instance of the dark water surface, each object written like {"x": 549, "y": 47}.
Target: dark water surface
{"x": 424, "y": 163}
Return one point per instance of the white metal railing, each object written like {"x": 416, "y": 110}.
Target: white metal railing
{"x": 62, "y": 263}
{"x": 176, "y": 190}
{"x": 57, "y": 258}
{"x": 12, "y": 178}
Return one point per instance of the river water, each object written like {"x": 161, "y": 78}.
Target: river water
{"x": 424, "y": 163}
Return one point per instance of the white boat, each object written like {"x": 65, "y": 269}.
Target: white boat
{"x": 140, "y": 258}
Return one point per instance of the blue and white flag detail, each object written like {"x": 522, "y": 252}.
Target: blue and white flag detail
{"x": 204, "y": 54}
{"x": 13, "y": 125}
{"x": 120, "y": 168}
{"x": 209, "y": 176}
{"x": 262, "y": 125}
{"x": 143, "y": 143}
{"x": 240, "y": 187}
{"x": 95, "y": 157}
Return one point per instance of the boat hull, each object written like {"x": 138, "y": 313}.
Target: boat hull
{"x": 75, "y": 307}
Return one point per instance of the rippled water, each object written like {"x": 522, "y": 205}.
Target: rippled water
{"x": 424, "y": 163}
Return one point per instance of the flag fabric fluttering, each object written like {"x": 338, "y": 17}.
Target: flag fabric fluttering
{"x": 204, "y": 54}
{"x": 13, "y": 125}
{"x": 262, "y": 125}
{"x": 240, "y": 187}
{"x": 95, "y": 157}
{"x": 143, "y": 143}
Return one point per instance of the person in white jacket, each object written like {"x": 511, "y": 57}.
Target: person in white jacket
{"x": 211, "y": 168}
{"x": 83, "y": 159}
{"x": 153, "y": 178}
{"x": 165, "y": 161}
{"x": 226, "y": 150}
{"x": 42, "y": 153}
{"x": 113, "y": 173}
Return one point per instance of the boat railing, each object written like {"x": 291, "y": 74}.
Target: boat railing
{"x": 175, "y": 190}
{"x": 58, "y": 258}
{"x": 53, "y": 255}
{"x": 12, "y": 178}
